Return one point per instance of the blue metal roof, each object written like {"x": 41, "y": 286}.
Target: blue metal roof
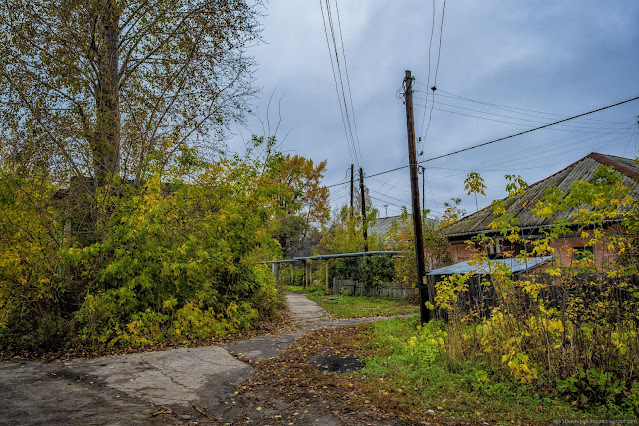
{"x": 515, "y": 265}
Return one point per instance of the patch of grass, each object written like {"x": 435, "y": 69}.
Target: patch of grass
{"x": 311, "y": 291}
{"x": 360, "y": 306}
{"x": 407, "y": 362}
{"x": 293, "y": 288}
{"x": 405, "y": 381}
{"x": 343, "y": 307}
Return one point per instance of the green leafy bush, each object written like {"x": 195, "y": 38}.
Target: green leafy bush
{"x": 170, "y": 261}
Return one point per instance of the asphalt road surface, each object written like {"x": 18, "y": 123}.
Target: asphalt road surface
{"x": 177, "y": 386}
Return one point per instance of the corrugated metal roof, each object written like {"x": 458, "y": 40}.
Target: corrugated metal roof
{"x": 383, "y": 224}
{"x": 520, "y": 205}
{"x": 515, "y": 265}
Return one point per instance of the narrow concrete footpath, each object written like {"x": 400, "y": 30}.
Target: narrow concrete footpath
{"x": 177, "y": 386}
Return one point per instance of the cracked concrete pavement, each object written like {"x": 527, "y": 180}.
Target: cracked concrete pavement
{"x": 191, "y": 384}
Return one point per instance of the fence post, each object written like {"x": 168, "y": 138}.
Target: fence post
{"x": 328, "y": 290}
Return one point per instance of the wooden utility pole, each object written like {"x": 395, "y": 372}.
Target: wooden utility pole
{"x": 414, "y": 187}
{"x": 364, "y": 226}
{"x": 352, "y": 189}
{"x": 423, "y": 169}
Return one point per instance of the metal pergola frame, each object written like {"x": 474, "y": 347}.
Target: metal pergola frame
{"x": 307, "y": 260}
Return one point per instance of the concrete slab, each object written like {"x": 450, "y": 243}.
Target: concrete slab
{"x": 46, "y": 394}
{"x": 168, "y": 378}
{"x": 130, "y": 389}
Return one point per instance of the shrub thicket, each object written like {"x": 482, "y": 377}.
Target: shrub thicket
{"x": 170, "y": 262}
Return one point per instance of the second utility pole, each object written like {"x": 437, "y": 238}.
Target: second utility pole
{"x": 351, "y": 216}
{"x": 414, "y": 188}
{"x": 364, "y": 224}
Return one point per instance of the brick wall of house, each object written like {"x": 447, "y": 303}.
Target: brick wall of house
{"x": 564, "y": 251}
{"x": 461, "y": 252}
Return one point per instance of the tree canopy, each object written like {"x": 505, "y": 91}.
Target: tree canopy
{"x": 117, "y": 87}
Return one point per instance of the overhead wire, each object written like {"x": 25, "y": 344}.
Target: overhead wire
{"x": 524, "y": 154}
{"x": 383, "y": 184}
{"x": 578, "y": 126}
{"x": 388, "y": 196}
{"x": 351, "y": 146}
{"x": 451, "y": 95}
{"x": 441, "y": 32}
{"x": 439, "y": 51}
{"x": 434, "y": 88}
{"x": 383, "y": 201}
{"x": 435, "y": 205}
{"x": 430, "y": 45}
{"x": 500, "y": 139}
{"x": 513, "y": 135}
{"x": 596, "y": 144}
{"x": 348, "y": 80}
{"x": 329, "y": 15}
{"x": 508, "y": 122}
{"x": 515, "y": 166}
{"x": 515, "y": 169}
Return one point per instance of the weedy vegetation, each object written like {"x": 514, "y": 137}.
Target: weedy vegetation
{"x": 569, "y": 334}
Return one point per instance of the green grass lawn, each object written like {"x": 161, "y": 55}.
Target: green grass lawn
{"x": 407, "y": 373}
{"x": 407, "y": 380}
{"x": 343, "y": 307}
{"x": 407, "y": 363}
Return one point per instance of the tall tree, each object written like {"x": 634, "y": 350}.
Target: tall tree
{"x": 115, "y": 87}
{"x": 300, "y": 189}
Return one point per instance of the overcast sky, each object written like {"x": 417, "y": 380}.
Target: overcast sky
{"x": 539, "y": 61}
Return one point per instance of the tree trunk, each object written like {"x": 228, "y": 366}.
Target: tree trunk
{"x": 106, "y": 140}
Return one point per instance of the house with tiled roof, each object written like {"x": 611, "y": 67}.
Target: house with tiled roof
{"x": 521, "y": 206}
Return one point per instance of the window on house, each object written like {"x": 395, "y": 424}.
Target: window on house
{"x": 582, "y": 253}
{"x": 494, "y": 248}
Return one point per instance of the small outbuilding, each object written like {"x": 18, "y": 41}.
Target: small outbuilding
{"x": 480, "y": 297}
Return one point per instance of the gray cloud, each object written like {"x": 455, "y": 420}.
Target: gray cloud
{"x": 560, "y": 57}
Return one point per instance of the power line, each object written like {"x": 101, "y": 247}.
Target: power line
{"x": 387, "y": 196}
{"x": 500, "y": 139}
{"x": 430, "y": 44}
{"x": 554, "y": 146}
{"x": 439, "y": 53}
{"x": 449, "y": 176}
{"x": 509, "y": 108}
{"x": 348, "y": 124}
{"x": 510, "y": 122}
{"x": 546, "y": 148}
{"x": 384, "y": 201}
{"x": 578, "y": 126}
{"x": 531, "y": 130}
{"x": 348, "y": 80}
{"x": 351, "y": 146}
